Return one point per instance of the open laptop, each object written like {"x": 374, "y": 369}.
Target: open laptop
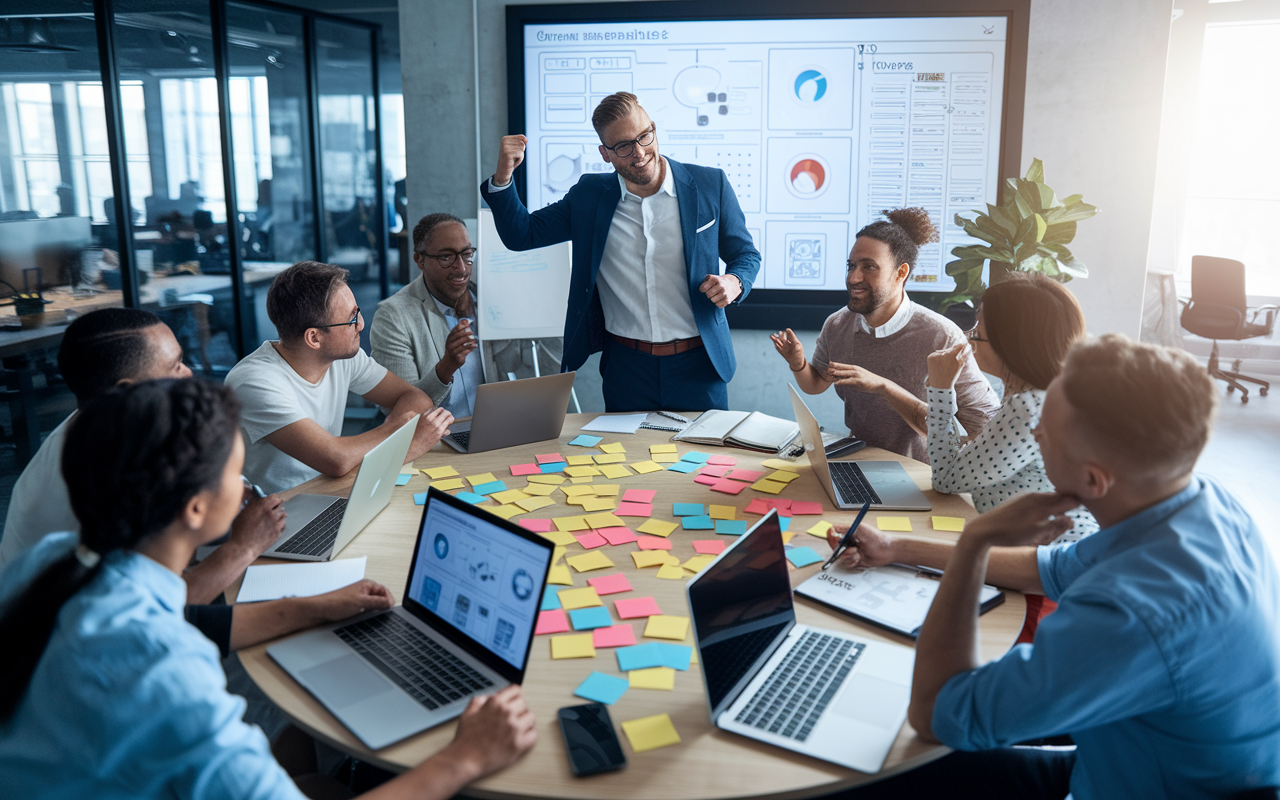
{"x": 819, "y": 692}
{"x": 513, "y": 413}
{"x": 318, "y": 526}
{"x": 466, "y": 626}
{"x": 849, "y": 484}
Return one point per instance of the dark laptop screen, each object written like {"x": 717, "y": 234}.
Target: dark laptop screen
{"x": 741, "y": 607}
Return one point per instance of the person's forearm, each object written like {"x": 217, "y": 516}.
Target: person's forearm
{"x": 810, "y": 380}
{"x": 445, "y": 371}
{"x": 911, "y": 408}
{"x": 254, "y": 623}
{"x": 439, "y": 777}
{"x": 208, "y": 579}
{"x": 1007, "y": 567}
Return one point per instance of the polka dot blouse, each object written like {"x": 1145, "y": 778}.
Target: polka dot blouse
{"x": 1001, "y": 462}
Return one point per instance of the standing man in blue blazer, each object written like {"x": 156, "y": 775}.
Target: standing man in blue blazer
{"x": 646, "y": 287}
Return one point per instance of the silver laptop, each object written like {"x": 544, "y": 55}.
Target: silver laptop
{"x": 513, "y": 413}
{"x": 849, "y": 484}
{"x": 466, "y": 626}
{"x": 819, "y": 692}
{"x": 318, "y": 526}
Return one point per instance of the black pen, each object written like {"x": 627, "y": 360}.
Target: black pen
{"x": 849, "y": 538}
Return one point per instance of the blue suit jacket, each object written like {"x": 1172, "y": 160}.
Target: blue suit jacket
{"x": 706, "y": 201}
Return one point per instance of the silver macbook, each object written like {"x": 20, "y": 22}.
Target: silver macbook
{"x": 318, "y": 526}
{"x": 513, "y": 413}
{"x": 849, "y": 484}
{"x": 466, "y": 626}
{"x": 819, "y": 692}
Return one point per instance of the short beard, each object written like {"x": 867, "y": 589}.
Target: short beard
{"x": 636, "y": 178}
{"x": 867, "y": 304}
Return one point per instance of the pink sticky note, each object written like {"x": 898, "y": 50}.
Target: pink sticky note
{"x": 525, "y": 469}
{"x": 748, "y": 475}
{"x": 727, "y": 486}
{"x": 757, "y": 506}
{"x": 549, "y": 458}
{"x": 590, "y": 540}
{"x": 638, "y": 495}
{"x": 614, "y": 636}
{"x": 722, "y": 461}
{"x": 780, "y": 503}
{"x": 610, "y": 584}
{"x": 805, "y": 507}
{"x": 634, "y": 510}
{"x": 654, "y": 543}
{"x": 708, "y": 546}
{"x": 634, "y": 607}
{"x": 715, "y": 472}
{"x": 537, "y": 525}
{"x": 617, "y": 535}
{"x": 707, "y": 480}
{"x": 553, "y": 621}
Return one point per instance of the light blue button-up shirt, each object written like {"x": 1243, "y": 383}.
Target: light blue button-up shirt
{"x": 1162, "y": 660}
{"x": 467, "y": 379}
{"x": 129, "y": 701}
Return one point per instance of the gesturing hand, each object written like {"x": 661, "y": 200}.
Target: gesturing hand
{"x": 510, "y": 154}
{"x": 721, "y": 289}
{"x": 789, "y": 347}
{"x": 459, "y": 344}
{"x": 945, "y": 365}
{"x": 863, "y": 380}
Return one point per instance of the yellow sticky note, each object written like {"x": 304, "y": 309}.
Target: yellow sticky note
{"x": 574, "y": 645}
{"x": 786, "y": 536}
{"x": 449, "y": 485}
{"x": 650, "y": 733}
{"x": 560, "y": 575}
{"x": 652, "y": 678}
{"x": 589, "y": 561}
{"x": 662, "y": 448}
{"x": 598, "y": 503}
{"x": 581, "y": 478}
{"x": 893, "y": 523}
{"x": 506, "y": 512}
{"x": 781, "y": 476}
{"x": 581, "y": 472}
{"x": 766, "y": 485}
{"x": 722, "y": 512}
{"x": 697, "y": 563}
{"x": 645, "y": 467}
{"x": 664, "y": 458}
{"x": 948, "y": 523}
{"x": 604, "y": 521}
{"x": 557, "y": 554}
{"x": 610, "y": 458}
{"x": 615, "y": 471}
{"x": 665, "y": 626}
{"x": 577, "y": 501}
{"x": 574, "y": 491}
{"x": 509, "y": 496}
{"x": 658, "y": 527}
{"x": 671, "y": 572}
{"x": 539, "y": 489}
{"x": 570, "y": 523}
{"x": 649, "y": 558}
{"x": 778, "y": 463}
{"x": 559, "y": 537}
{"x": 585, "y": 597}
{"x": 578, "y": 461}
{"x": 535, "y": 503}
{"x": 606, "y": 489}
{"x": 820, "y": 529}
{"x": 614, "y": 447}
{"x": 440, "y": 472}
{"x": 552, "y": 479}
{"x": 476, "y": 480}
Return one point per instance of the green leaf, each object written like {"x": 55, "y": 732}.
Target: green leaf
{"x": 1030, "y": 193}
{"x": 1071, "y": 213}
{"x": 1073, "y": 268}
{"x": 964, "y": 266}
{"x": 1036, "y": 171}
{"x": 1047, "y": 198}
{"x": 993, "y": 253}
{"x": 1024, "y": 209}
{"x": 1073, "y": 199}
{"x": 1039, "y": 263}
{"x": 1060, "y": 233}
{"x": 1004, "y": 219}
{"x": 986, "y": 230}
{"x": 1058, "y": 251}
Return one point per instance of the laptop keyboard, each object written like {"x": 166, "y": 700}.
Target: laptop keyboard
{"x": 851, "y": 484}
{"x": 412, "y": 660}
{"x": 318, "y": 535}
{"x": 461, "y": 438}
{"x": 799, "y": 690}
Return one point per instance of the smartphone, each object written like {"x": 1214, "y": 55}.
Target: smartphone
{"x": 589, "y": 737}
{"x": 843, "y": 447}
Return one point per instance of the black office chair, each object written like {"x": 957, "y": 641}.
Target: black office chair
{"x": 1218, "y": 310}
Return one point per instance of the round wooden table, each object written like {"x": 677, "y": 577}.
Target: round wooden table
{"x": 708, "y": 763}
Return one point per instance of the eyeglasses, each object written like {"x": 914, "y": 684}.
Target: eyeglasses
{"x": 627, "y": 148}
{"x": 974, "y": 337}
{"x": 446, "y": 260}
{"x": 355, "y": 320}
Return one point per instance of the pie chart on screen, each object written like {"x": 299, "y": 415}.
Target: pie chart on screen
{"x": 807, "y": 176}
{"x": 810, "y": 86}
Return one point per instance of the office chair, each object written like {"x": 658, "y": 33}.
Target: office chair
{"x": 1218, "y": 310}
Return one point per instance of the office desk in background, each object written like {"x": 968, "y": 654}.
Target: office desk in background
{"x": 708, "y": 763}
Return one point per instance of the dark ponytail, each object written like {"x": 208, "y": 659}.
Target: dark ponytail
{"x": 158, "y": 444}
{"x": 905, "y": 231}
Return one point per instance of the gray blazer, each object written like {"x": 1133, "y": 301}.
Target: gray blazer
{"x": 407, "y": 336}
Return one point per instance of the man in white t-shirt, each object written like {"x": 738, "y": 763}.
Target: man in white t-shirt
{"x": 295, "y": 390}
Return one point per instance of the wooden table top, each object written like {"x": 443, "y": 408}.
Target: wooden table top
{"x": 708, "y": 763}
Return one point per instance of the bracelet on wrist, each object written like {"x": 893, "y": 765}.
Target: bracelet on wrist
{"x": 803, "y": 364}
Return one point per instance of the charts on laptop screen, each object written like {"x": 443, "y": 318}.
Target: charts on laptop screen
{"x": 479, "y": 578}
{"x": 819, "y": 123}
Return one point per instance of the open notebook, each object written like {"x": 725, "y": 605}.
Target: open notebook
{"x": 749, "y": 430}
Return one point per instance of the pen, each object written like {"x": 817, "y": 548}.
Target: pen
{"x": 255, "y": 487}
{"x": 849, "y": 538}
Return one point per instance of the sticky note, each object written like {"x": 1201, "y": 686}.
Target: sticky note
{"x": 778, "y": 463}
{"x": 586, "y": 440}
{"x": 653, "y": 543}
{"x": 663, "y": 626}
{"x": 535, "y": 503}
{"x": 626, "y": 509}
{"x": 599, "y": 504}
{"x": 706, "y": 480}
{"x": 639, "y": 495}
{"x": 698, "y": 562}
{"x": 782, "y": 476}
{"x": 557, "y": 553}
{"x": 574, "y": 645}
{"x": 633, "y": 607}
{"x": 553, "y": 621}
{"x": 765, "y": 485}
{"x": 524, "y": 469}
{"x": 571, "y": 523}
{"x": 585, "y": 597}
{"x": 641, "y": 656}
{"x": 539, "y": 489}
{"x": 489, "y": 487}
{"x": 589, "y": 561}
{"x": 615, "y": 471}
{"x": 578, "y": 461}
{"x": 448, "y": 485}
{"x": 893, "y": 523}
{"x": 549, "y": 480}
{"x": 558, "y": 466}
{"x": 564, "y": 538}
{"x": 727, "y": 486}
{"x": 507, "y": 512}
{"x": 711, "y": 546}
{"x": 802, "y": 556}
{"x": 484, "y": 477}
{"x": 548, "y": 458}
{"x": 420, "y": 499}
{"x": 508, "y": 496}
{"x": 584, "y": 619}
{"x": 610, "y": 458}
{"x": 671, "y": 572}
{"x": 803, "y": 507}
{"x": 578, "y": 491}
{"x": 618, "y": 535}
{"x": 780, "y": 503}
{"x": 648, "y": 558}
{"x": 560, "y": 575}
{"x": 645, "y": 467}
{"x": 402, "y": 479}
{"x": 702, "y": 523}
{"x": 683, "y": 466}
{"x": 581, "y": 472}
{"x": 747, "y": 475}
{"x": 664, "y": 458}
{"x": 676, "y": 656}
{"x": 787, "y": 535}
{"x": 722, "y": 461}
{"x": 602, "y": 688}
{"x": 688, "y": 509}
{"x": 721, "y": 512}
{"x": 731, "y": 527}
{"x": 471, "y": 497}
{"x": 610, "y": 584}
{"x": 614, "y": 636}
{"x": 713, "y": 472}
{"x": 606, "y": 489}
{"x": 821, "y": 529}
{"x": 591, "y": 540}
{"x": 695, "y": 457}
{"x": 657, "y": 527}
{"x": 662, "y": 448}
{"x": 550, "y": 599}
{"x": 605, "y": 520}
{"x": 536, "y": 525}
{"x": 440, "y": 472}
{"x": 653, "y": 678}
{"x": 948, "y": 523}
{"x": 757, "y": 506}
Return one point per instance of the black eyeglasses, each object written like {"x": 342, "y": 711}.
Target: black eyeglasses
{"x": 355, "y": 320}
{"x": 626, "y": 149}
{"x": 446, "y": 260}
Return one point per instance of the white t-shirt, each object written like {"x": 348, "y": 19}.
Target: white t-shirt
{"x": 39, "y": 504}
{"x": 274, "y": 396}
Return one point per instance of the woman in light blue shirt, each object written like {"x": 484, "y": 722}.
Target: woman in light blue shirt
{"x": 105, "y": 690}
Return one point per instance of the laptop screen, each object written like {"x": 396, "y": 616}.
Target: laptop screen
{"x": 479, "y": 578}
{"x": 741, "y": 606}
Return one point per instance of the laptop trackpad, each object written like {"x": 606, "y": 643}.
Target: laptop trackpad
{"x": 344, "y": 681}
{"x": 873, "y": 701}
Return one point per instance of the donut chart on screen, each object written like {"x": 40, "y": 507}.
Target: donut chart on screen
{"x": 807, "y": 176}
{"x": 810, "y": 86}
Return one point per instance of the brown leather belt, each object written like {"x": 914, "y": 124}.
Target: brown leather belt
{"x": 659, "y": 348}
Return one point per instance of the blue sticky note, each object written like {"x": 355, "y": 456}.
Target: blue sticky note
{"x": 558, "y": 466}
{"x": 402, "y": 479}
{"x": 702, "y": 523}
{"x": 584, "y": 619}
{"x": 550, "y": 599}
{"x": 695, "y": 457}
{"x": 584, "y": 440}
{"x": 683, "y": 466}
{"x": 420, "y": 499}
{"x": 602, "y": 688}
{"x": 784, "y": 523}
{"x": 688, "y": 509}
{"x": 640, "y": 656}
{"x": 489, "y": 488}
{"x": 802, "y": 556}
{"x": 733, "y": 527}
{"x": 676, "y": 656}
{"x": 469, "y": 497}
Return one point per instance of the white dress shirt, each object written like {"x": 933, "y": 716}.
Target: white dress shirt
{"x": 895, "y": 323}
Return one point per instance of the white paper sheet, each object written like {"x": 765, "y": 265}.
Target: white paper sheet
{"x": 299, "y": 580}
{"x": 616, "y": 423}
